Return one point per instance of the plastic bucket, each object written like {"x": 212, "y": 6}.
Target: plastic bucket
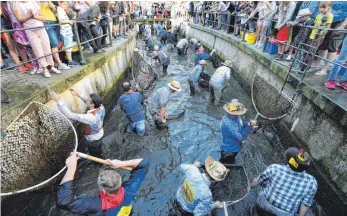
{"x": 251, "y": 38}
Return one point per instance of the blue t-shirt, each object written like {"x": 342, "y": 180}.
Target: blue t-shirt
{"x": 159, "y": 28}
{"x": 130, "y": 103}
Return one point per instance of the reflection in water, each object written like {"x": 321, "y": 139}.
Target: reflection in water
{"x": 192, "y": 137}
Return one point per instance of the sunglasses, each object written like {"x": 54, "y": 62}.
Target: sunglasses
{"x": 323, "y": 6}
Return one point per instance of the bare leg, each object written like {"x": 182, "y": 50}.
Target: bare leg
{"x": 56, "y": 56}
{"x": 11, "y": 48}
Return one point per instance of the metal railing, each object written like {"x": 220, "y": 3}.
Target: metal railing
{"x": 213, "y": 20}
{"x": 77, "y": 37}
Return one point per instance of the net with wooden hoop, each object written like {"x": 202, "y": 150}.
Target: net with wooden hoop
{"x": 34, "y": 149}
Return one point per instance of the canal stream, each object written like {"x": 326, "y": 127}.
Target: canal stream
{"x": 189, "y": 138}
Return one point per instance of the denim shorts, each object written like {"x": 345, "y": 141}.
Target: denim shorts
{"x": 52, "y": 33}
{"x": 68, "y": 42}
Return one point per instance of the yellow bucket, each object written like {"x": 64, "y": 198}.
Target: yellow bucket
{"x": 251, "y": 38}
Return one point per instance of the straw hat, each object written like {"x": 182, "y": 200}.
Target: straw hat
{"x": 303, "y": 12}
{"x": 155, "y": 54}
{"x": 227, "y": 63}
{"x": 202, "y": 62}
{"x": 215, "y": 169}
{"x": 235, "y": 108}
{"x": 174, "y": 85}
{"x": 136, "y": 50}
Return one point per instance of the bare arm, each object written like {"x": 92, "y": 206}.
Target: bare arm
{"x": 52, "y": 6}
{"x": 303, "y": 209}
{"x": 268, "y": 5}
{"x": 22, "y": 18}
{"x": 254, "y": 183}
{"x": 129, "y": 163}
{"x": 39, "y": 16}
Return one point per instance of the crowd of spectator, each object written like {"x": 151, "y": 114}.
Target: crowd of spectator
{"x": 287, "y": 23}
{"x": 49, "y": 38}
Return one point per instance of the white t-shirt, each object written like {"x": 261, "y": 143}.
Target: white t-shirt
{"x": 65, "y": 29}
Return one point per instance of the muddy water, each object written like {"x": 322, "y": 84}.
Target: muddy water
{"x": 190, "y": 138}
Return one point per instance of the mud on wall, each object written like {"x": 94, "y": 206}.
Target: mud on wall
{"x": 322, "y": 125}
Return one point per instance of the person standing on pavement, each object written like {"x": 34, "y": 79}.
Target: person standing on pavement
{"x": 195, "y": 76}
{"x": 93, "y": 120}
{"x": 163, "y": 59}
{"x": 194, "y": 195}
{"x": 131, "y": 103}
{"x": 159, "y": 100}
{"x": 182, "y": 46}
{"x": 220, "y": 80}
{"x": 115, "y": 196}
{"x": 287, "y": 189}
{"x": 234, "y": 130}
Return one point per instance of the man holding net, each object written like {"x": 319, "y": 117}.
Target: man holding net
{"x": 287, "y": 189}
{"x": 115, "y": 197}
{"x": 234, "y": 130}
{"x": 93, "y": 120}
{"x": 194, "y": 195}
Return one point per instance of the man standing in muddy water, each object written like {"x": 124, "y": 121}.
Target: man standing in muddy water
{"x": 93, "y": 120}
{"x": 234, "y": 130}
{"x": 194, "y": 196}
{"x": 115, "y": 197}
{"x": 159, "y": 100}
{"x": 163, "y": 59}
{"x": 131, "y": 103}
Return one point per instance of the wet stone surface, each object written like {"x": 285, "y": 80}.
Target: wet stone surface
{"x": 191, "y": 137}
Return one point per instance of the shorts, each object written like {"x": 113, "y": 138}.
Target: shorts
{"x": 331, "y": 42}
{"x": 116, "y": 21}
{"x": 283, "y": 34}
{"x": 52, "y": 33}
{"x": 68, "y": 42}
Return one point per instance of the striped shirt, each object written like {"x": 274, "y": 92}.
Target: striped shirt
{"x": 287, "y": 189}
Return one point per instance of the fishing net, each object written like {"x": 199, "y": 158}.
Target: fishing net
{"x": 233, "y": 188}
{"x": 34, "y": 148}
{"x": 269, "y": 102}
{"x": 142, "y": 73}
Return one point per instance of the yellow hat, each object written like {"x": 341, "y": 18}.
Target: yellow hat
{"x": 235, "y": 108}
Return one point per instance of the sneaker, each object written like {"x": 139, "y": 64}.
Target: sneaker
{"x": 330, "y": 84}
{"x": 38, "y": 71}
{"x": 342, "y": 85}
{"x": 22, "y": 69}
{"x": 63, "y": 67}
{"x": 29, "y": 66}
{"x": 46, "y": 73}
{"x": 321, "y": 73}
{"x": 90, "y": 48}
{"x": 279, "y": 57}
{"x": 55, "y": 70}
{"x": 73, "y": 63}
{"x": 289, "y": 58}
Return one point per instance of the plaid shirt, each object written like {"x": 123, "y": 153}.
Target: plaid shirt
{"x": 287, "y": 189}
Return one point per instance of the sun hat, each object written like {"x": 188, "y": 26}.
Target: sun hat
{"x": 136, "y": 50}
{"x": 227, "y": 63}
{"x": 174, "y": 85}
{"x": 215, "y": 169}
{"x": 155, "y": 54}
{"x": 303, "y": 12}
{"x": 202, "y": 62}
{"x": 235, "y": 108}
{"x": 298, "y": 160}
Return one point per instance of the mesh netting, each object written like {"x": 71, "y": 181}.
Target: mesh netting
{"x": 143, "y": 74}
{"x": 268, "y": 100}
{"x": 34, "y": 150}
{"x": 233, "y": 188}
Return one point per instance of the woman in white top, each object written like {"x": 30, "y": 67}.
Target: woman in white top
{"x": 264, "y": 10}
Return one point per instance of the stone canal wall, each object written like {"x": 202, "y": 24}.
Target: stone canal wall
{"x": 102, "y": 74}
{"x": 322, "y": 124}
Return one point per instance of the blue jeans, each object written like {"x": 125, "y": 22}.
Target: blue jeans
{"x": 139, "y": 126}
{"x": 224, "y": 20}
{"x": 341, "y": 59}
{"x": 52, "y": 33}
{"x": 265, "y": 205}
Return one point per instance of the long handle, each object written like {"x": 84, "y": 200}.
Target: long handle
{"x": 99, "y": 160}
{"x": 225, "y": 209}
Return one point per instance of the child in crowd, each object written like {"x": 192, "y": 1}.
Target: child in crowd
{"x": 66, "y": 31}
{"x": 244, "y": 14}
{"x": 300, "y": 33}
{"x": 327, "y": 48}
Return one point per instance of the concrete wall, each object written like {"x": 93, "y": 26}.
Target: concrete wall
{"x": 102, "y": 74}
{"x": 322, "y": 126}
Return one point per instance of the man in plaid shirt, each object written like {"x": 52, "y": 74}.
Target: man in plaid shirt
{"x": 287, "y": 188}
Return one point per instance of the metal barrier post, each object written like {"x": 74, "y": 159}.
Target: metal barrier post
{"x": 110, "y": 35}
{"x": 83, "y": 61}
